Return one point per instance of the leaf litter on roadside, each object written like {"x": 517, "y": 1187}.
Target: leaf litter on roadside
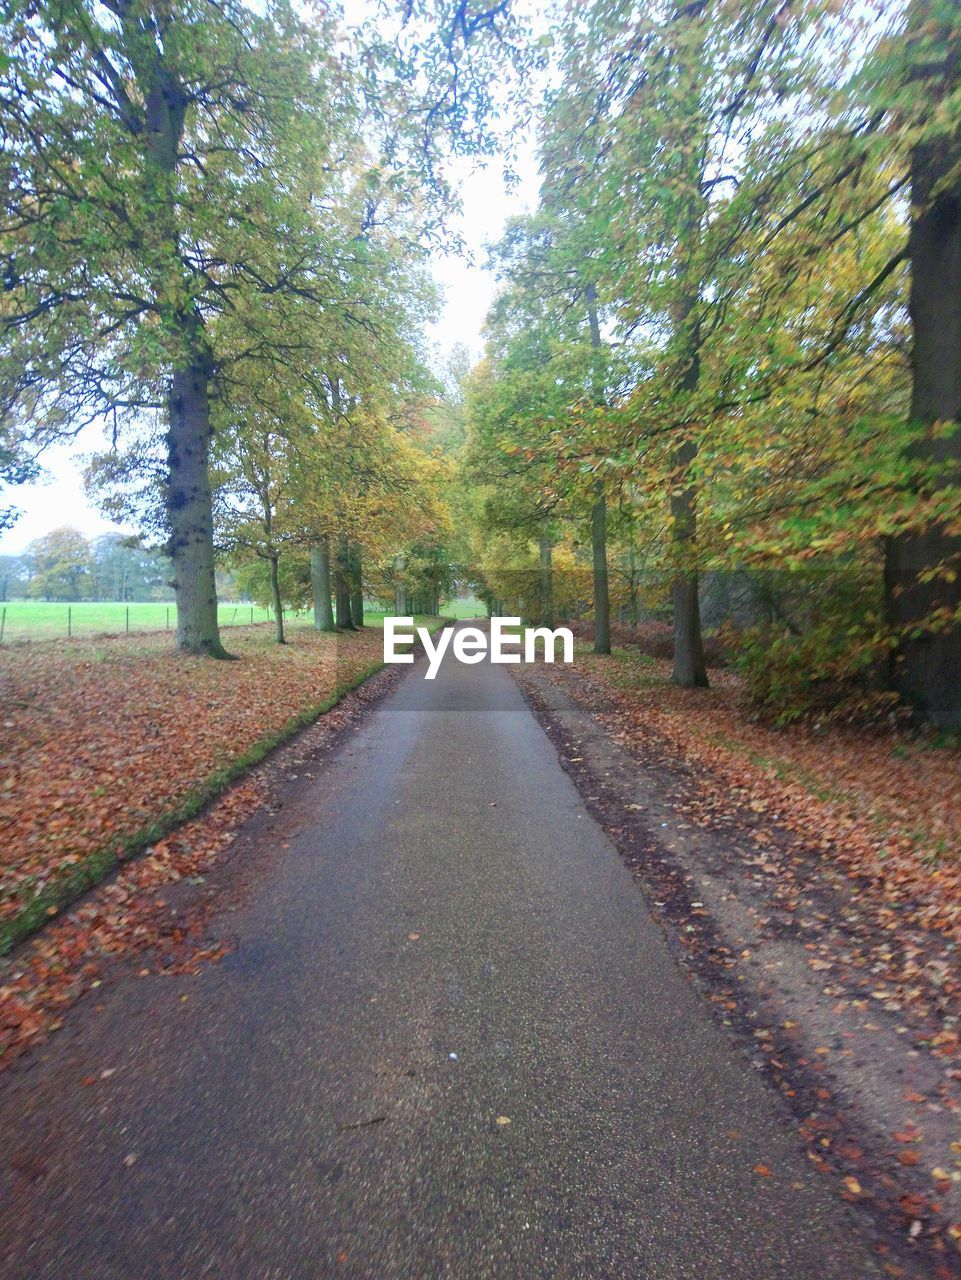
{"x": 879, "y": 813}
{"x": 103, "y": 735}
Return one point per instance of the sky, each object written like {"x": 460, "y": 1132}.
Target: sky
{"x": 58, "y": 499}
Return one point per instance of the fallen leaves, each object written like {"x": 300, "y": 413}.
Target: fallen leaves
{"x": 130, "y": 912}
{"x": 830, "y": 852}
{"x": 105, "y": 737}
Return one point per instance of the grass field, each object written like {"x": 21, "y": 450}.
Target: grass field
{"x": 464, "y": 608}
{"x": 41, "y": 620}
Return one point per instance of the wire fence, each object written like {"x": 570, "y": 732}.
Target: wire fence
{"x": 25, "y": 620}
{"x": 39, "y": 620}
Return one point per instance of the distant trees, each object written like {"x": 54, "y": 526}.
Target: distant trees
{"x": 122, "y": 569}
{"x": 547, "y": 368}
{"x": 14, "y": 576}
{"x": 59, "y": 566}
{"x": 64, "y": 565}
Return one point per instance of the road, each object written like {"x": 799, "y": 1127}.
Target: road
{"x": 450, "y": 1042}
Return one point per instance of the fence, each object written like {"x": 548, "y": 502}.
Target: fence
{"x": 38, "y": 620}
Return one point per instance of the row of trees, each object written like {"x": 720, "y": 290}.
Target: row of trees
{"x": 64, "y": 565}
{"x": 730, "y": 335}
{"x": 214, "y": 225}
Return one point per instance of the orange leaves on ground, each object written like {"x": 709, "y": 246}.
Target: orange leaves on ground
{"x": 886, "y": 805}
{"x": 100, "y": 738}
{"x": 72, "y": 953}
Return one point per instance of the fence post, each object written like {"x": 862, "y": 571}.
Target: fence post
{"x": 168, "y": 618}
{"x": 69, "y": 621}
{"x": 3, "y": 622}
{"x": 251, "y": 615}
{"x": 128, "y": 619}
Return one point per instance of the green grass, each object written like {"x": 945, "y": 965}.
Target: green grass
{"x": 466, "y": 608}
{"x": 42, "y": 620}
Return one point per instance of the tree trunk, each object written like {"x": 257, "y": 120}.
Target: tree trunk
{"x": 320, "y": 585}
{"x": 690, "y": 671}
{"x": 926, "y": 667}
{"x": 545, "y": 559}
{"x": 356, "y": 586}
{"x": 342, "y": 577}
{"x": 400, "y": 588}
{"x": 633, "y": 612}
{"x": 187, "y": 482}
{"x": 602, "y": 598}
{"x": 274, "y": 562}
{"x": 689, "y": 667}
{"x": 189, "y": 511}
{"x": 693, "y": 28}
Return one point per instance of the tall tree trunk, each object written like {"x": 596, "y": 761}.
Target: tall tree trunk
{"x": 690, "y": 670}
{"x": 187, "y": 497}
{"x": 602, "y": 594}
{"x": 633, "y": 613}
{"x": 546, "y": 566}
{"x": 356, "y": 586}
{"x": 189, "y": 510}
{"x": 926, "y": 667}
{"x": 342, "y": 585}
{"x": 320, "y": 584}
{"x": 400, "y": 588}
{"x": 274, "y": 562}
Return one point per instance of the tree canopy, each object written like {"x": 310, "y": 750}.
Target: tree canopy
{"x": 725, "y": 342}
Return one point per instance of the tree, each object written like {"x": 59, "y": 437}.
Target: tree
{"x": 646, "y": 135}
{"x": 14, "y": 576}
{"x": 923, "y": 563}
{"x": 164, "y": 164}
{"x": 123, "y": 569}
{"x": 548, "y": 365}
{"x": 158, "y": 162}
{"x": 253, "y": 502}
{"x": 59, "y": 565}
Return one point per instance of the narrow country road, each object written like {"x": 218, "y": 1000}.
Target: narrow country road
{"x": 450, "y": 1042}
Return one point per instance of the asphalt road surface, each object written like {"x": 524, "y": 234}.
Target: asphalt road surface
{"x": 450, "y": 1042}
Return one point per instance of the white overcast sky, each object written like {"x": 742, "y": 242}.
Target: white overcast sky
{"x": 487, "y": 202}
